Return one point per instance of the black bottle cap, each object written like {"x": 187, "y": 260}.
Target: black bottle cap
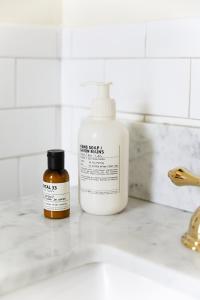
{"x": 56, "y": 159}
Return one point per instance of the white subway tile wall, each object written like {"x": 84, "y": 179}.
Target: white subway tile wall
{"x": 29, "y": 105}
{"x": 71, "y": 122}
{"x": 78, "y": 115}
{"x": 7, "y": 82}
{"x": 150, "y": 83}
{"x": 174, "y": 38}
{"x": 150, "y": 86}
{"x": 155, "y": 72}
{"x": 65, "y": 42}
{"x": 76, "y": 72}
{"x": 154, "y": 68}
{"x": 9, "y": 178}
{"x": 71, "y": 163}
{"x": 195, "y": 89}
{"x": 34, "y": 166}
{"x": 66, "y": 128}
{"x": 109, "y": 41}
{"x": 26, "y": 131}
{"x": 38, "y": 82}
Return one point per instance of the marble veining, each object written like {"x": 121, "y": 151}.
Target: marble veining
{"x": 154, "y": 150}
{"x": 33, "y": 248}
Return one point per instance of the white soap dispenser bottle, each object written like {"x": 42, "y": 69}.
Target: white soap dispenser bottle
{"x": 103, "y": 158}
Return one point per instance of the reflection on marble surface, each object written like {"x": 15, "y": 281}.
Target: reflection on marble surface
{"x": 154, "y": 150}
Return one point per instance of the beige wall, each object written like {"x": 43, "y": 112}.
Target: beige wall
{"x": 94, "y": 12}
{"x": 42, "y": 12}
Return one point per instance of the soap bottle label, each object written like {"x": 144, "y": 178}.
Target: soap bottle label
{"x": 56, "y": 196}
{"x": 99, "y": 169}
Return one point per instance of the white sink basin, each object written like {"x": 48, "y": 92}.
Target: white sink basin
{"x": 96, "y": 281}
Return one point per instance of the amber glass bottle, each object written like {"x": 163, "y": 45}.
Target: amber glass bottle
{"x": 56, "y": 187}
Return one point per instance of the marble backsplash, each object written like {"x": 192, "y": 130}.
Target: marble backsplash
{"x": 154, "y": 150}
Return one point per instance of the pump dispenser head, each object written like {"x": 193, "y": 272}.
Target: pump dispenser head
{"x": 103, "y": 105}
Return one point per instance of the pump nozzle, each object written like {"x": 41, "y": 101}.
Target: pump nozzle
{"x": 103, "y": 88}
{"x": 103, "y": 105}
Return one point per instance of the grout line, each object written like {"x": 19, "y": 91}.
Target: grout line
{"x": 169, "y": 123}
{"x": 30, "y": 57}
{"x": 127, "y": 112}
{"x": 63, "y": 57}
{"x": 75, "y": 106}
{"x": 156, "y": 119}
{"x": 15, "y": 82}
{"x": 128, "y": 57}
{"x": 152, "y": 115}
{"x": 58, "y": 127}
{"x": 145, "y": 41}
{"x": 59, "y": 43}
{"x": 61, "y": 128}
{"x": 59, "y": 84}
{"x": 30, "y": 107}
{"x": 104, "y": 70}
{"x": 190, "y": 81}
{"x": 22, "y": 155}
{"x": 70, "y": 44}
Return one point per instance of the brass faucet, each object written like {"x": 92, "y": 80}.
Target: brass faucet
{"x": 180, "y": 177}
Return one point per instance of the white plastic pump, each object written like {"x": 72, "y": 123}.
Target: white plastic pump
{"x": 103, "y": 105}
{"x": 103, "y": 157}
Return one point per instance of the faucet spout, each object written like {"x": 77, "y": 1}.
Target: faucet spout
{"x": 181, "y": 176}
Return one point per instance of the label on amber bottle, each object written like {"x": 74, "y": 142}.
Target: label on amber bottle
{"x": 56, "y": 196}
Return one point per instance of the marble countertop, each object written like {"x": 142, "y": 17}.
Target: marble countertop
{"x": 33, "y": 248}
